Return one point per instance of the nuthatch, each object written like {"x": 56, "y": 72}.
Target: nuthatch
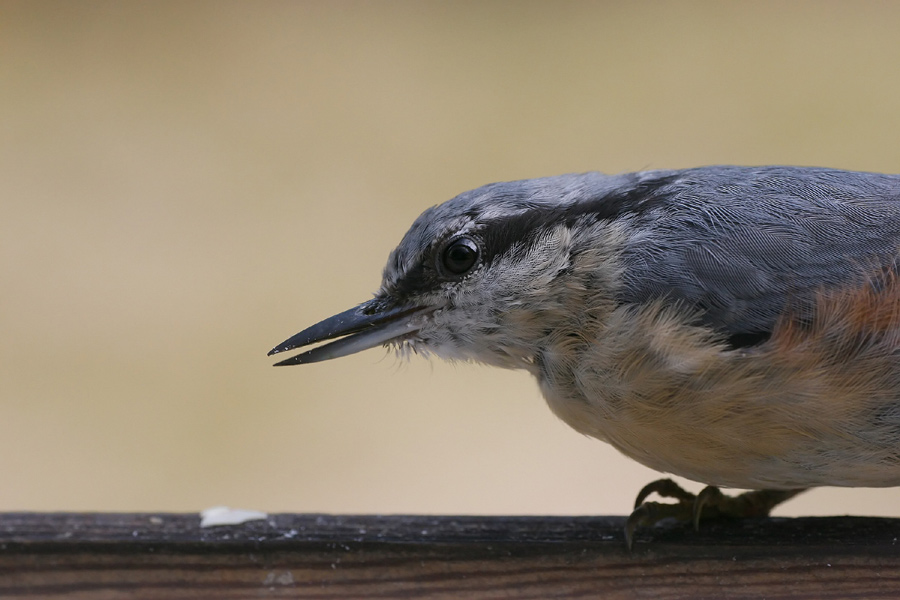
{"x": 737, "y": 326}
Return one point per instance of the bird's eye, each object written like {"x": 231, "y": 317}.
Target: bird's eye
{"x": 460, "y": 256}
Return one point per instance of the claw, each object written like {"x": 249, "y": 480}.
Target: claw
{"x": 637, "y": 517}
{"x": 650, "y": 513}
{"x": 710, "y": 495}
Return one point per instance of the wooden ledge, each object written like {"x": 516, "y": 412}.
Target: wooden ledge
{"x": 102, "y": 555}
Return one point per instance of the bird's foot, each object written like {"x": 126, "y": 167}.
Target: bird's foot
{"x": 710, "y": 502}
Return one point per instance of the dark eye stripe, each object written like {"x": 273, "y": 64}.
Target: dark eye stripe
{"x": 498, "y": 236}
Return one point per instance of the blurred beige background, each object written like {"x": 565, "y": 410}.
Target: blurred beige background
{"x": 185, "y": 184}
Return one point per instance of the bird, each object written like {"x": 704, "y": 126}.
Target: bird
{"x": 737, "y": 326}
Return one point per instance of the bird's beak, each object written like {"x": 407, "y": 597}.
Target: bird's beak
{"x": 360, "y": 328}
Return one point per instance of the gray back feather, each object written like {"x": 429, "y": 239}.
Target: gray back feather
{"x": 741, "y": 243}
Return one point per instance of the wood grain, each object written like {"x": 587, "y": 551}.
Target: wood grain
{"x": 327, "y": 556}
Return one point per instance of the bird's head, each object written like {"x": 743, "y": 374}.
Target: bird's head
{"x": 492, "y": 275}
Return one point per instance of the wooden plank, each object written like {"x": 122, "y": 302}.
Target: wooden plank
{"x": 102, "y": 556}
